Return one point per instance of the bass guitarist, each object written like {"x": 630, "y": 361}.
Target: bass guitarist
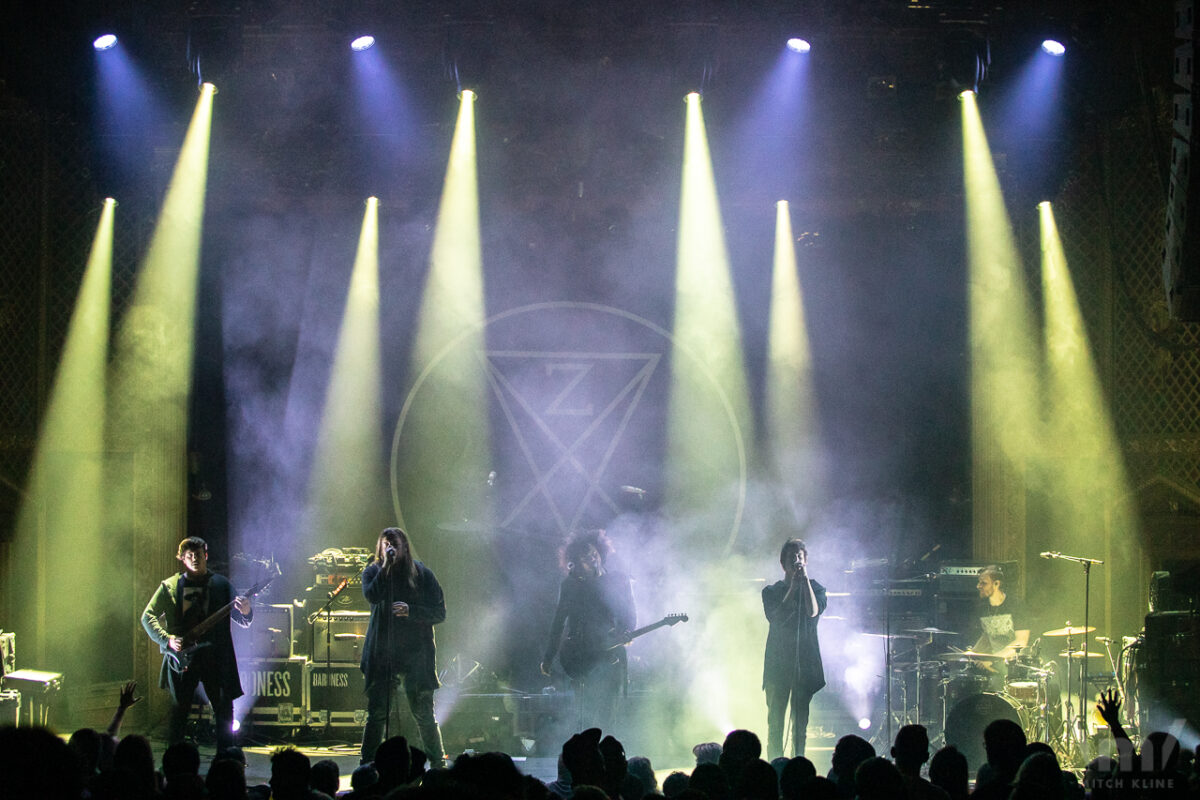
{"x": 183, "y": 601}
{"x": 595, "y": 608}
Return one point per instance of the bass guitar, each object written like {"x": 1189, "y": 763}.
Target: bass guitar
{"x": 578, "y": 658}
{"x": 180, "y": 660}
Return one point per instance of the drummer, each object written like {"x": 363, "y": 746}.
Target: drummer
{"x": 1003, "y": 629}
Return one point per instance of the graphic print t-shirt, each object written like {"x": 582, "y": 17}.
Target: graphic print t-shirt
{"x": 195, "y": 601}
{"x": 999, "y": 624}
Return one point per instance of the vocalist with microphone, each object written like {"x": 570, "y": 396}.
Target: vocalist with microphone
{"x": 399, "y": 653}
{"x": 792, "y": 669}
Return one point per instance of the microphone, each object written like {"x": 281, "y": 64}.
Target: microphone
{"x": 1104, "y": 639}
{"x": 1050, "y": 554}
{"x": 932, "y": 550}
{"x": 390, "y": 552}
{"x": 634, "y": 490}
{"x": 341, "y": 586}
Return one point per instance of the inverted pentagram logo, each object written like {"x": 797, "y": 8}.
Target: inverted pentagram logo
{"x": 565, "y": 427}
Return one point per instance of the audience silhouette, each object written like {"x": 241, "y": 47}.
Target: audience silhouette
{"x": 36, "y": 764}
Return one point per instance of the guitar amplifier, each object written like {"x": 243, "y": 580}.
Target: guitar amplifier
{"x": 337, "y": 694}
{"x": 274, "y": 692}
{"x": 960, "y": 577}
{"x": 8, "y": 653}
{"x": 347, "y": 635}
{"x": 38, "y": 690}
{"x": 10, "y": 707}
{"x": 269, "y": 635}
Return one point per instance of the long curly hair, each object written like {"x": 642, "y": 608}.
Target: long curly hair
{"x": 577, "y": 545}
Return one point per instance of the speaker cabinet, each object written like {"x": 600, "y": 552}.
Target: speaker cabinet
{"x": 269, "y": 635}
{"x": 336, "y": 694}
{"x": 274, "y": 692}
{"x": 340, "y": 637}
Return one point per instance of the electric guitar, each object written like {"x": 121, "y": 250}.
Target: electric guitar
{"x": 579, "y": 658}
{"x": 181, "y": 660}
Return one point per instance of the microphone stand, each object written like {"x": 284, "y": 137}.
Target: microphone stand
{"x": 1087, "y": 593}
{"x": 390, "y": 616}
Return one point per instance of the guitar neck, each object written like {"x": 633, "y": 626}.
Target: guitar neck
{"x": 203, "y": 627}
{"x": 646, "y": 629}
{"x": 671, "y": 620}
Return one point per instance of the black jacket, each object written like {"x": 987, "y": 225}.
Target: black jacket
{"x": 793, "y": 649}
{"x": 163, "y": 617}
{"x": 409, "y": 641}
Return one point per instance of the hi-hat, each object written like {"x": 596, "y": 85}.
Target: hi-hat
{"x": 1076, "y": 631}
{"x": 1080, "y": 654}
{"x": 933, "y": 630}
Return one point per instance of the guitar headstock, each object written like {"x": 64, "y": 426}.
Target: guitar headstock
{"x": 258, "y": 587}
{"x": 675, "y": 619}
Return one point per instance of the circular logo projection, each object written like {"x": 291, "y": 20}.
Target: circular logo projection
{"x": 557, "y": 416}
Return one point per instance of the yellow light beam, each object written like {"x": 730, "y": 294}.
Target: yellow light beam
{"x": 452, "y": 446}
{"x": 705, "y": 452}
{"x": 348, "y": 495}
{"x": 442, "y": 454}
{"x": 151, "y": 374}
{"x": 1005, "y": 361}
{"x": 700, "y": 442}
{"x": 1091, "y": 495}
{"x": 62, "y": 510}
{"x": 791, "y": 424}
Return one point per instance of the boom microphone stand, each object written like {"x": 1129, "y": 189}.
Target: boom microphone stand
{"x": 1087, "y": 593}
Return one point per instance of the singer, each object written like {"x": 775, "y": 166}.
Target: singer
{"x": 792, "y": 666}
{"x": 406, "y": 602}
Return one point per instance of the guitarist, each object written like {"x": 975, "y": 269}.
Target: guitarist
{"x": 181, "y": 602}
{"x": 595, "y": 608}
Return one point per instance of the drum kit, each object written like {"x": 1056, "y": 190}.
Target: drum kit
{"x": 956, "y": 693}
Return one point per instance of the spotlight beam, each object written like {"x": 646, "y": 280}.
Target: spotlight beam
{"x": 1004, "y": 358}
{"x": 1087, "y": 469}
{"x": 63, "y": 507}
{"x": 348, "y": 490}
{"x": 442, "y": 450}
{"x": 146, "y": 477}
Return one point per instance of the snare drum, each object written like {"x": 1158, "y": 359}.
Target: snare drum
{"x": 1024, "y": 692}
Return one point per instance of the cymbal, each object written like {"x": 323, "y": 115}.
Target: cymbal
{"x": 969, "y": 655}
{"x": 1080, "y": 654}
{"x": 1076, "y": 631}
{"x": 933, "y": 630}
{"x": 889, "y": 635}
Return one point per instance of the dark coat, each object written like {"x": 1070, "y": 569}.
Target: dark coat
{"x": 793, "y": 650}
{"x": 412, "y": 648}
{"x": 163, "y": 617}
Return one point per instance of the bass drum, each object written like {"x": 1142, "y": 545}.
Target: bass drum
{"x": 967, "y": 719}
